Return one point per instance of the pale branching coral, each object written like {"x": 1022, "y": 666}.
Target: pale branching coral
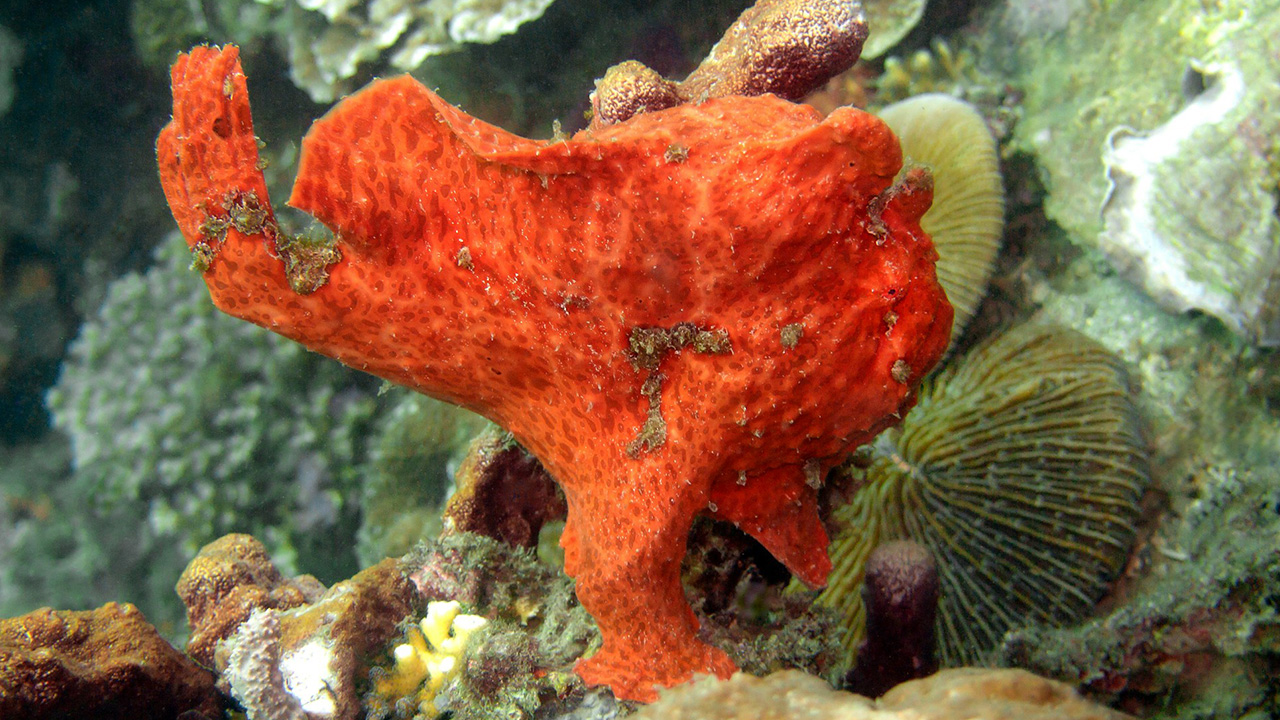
{"x": 429, "y": 657}
{"x": 939, "y": 69}
{"x": 333, "y": 46}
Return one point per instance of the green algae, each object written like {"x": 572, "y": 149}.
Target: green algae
{"x": 1122, "y": 65}
{"x": 1200, "y": 637}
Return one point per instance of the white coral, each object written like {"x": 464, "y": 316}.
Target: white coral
{"x": 330, "y": 40}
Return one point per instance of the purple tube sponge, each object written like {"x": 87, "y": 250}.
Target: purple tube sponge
{"x": 901, "y": 597}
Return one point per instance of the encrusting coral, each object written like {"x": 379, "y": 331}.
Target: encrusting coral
{"x": 229, "y": 579}
{"x": 313, "y": 658}
{"x": 700, "y": 310}
{"x": 108, "y": 664}
{"x": 1020, "y": 469}
{"x": 784, "y": 47}
{"x": 537, "y": 628}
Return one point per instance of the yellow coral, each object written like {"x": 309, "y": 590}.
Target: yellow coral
{"x": 941, "y": 69}
{"x": 429, "y": 656}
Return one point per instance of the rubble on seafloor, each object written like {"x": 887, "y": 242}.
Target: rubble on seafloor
{"x": 368, "y": 647}
{"x": 953, "y": 694}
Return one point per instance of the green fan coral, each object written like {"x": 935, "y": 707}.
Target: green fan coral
{"x": 967, "y": 216}
{"x": 1021, "y": 468}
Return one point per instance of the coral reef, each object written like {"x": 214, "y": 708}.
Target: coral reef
{"x": 107, "y": 664}
{"x": 532, "y": 338}
{"x": 503, "y": 492}
{"x": 1190, "y": 212}
{"x": 226, "y": 581}
{"x": 1208, "y": 398}
{"x": 430, "y": 656}
{"x": 416, "y": 449}
{"x": 1020, "y": 469}
{"x": 948, "y": 695}
{"x": 784, "y": 47}
{"x": 313, "y": 658}
{"x": 967, "y": 216}
{"x": 900, "y": 592}
{"x": 253, "y": 675}
{"x": 1201, "y": 637}
{"x": 1189, "y": 630}
{"x": 741, "y": 595}
{"x": 536, "y": 627}
{"x": 506, "y": 584}
{"x": 1157, "y": 114}
{"x": 890, "y": 21}
{"x": 940, "y": 69}
{"x": 185, "y": 426}
{"x": 333, "y": 46}
{"x": 330, "y": 40}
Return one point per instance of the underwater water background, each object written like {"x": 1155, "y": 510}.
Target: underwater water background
{"x": 1139, "y": 149}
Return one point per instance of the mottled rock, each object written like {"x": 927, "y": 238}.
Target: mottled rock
{"x": 503, "y": 493}
{"x": 1190, "y": 212}
{"x": 1202, "y": 629}
{"x": 310, "y": 659}
{"x": 103, "y": 664}
{"x": 956, "y": 694}
{"x": 229, "y": 579}
{"x": 992, "y": 694}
